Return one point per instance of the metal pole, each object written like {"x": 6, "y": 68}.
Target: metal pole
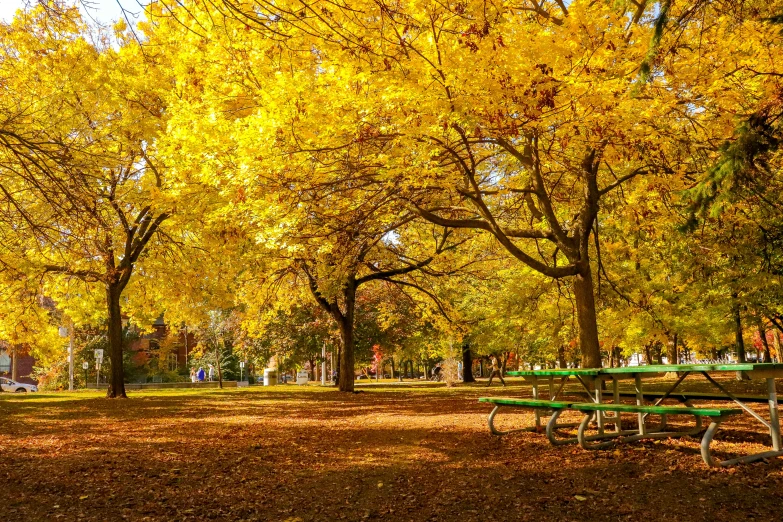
{"x": 774, "y": 422}
{"x": 323, "y": 364}
{"x": 70, "y": 357}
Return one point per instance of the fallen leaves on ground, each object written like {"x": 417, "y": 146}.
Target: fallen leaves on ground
{"x": 390, "y": 454}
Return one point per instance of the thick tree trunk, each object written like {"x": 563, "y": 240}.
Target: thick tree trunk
{"x": 117, "y": 380}
{"x": 467, "y": 363}
{"x": 347, "y": 363}
{"x": 561, "y": 360}
{"x": 763, "y": 335}
{"x": 647, "y": 353}
{"x": 588, "y": 322}
{"x": 673, "y": 358}
{"x": 738, "y": 333}
{"x": 392, "y": 367}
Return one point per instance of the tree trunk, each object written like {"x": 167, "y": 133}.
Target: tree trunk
{"x": 647, "y": 354}
{"x": 117, "y": 379}
{"x": 588, "y": 322}
{"x": 673, "y": 359}
{"x": 505, "y": 361}
{"x": 659, "y": 353}
{"x": 738, "y": 332}
{"x": 217, "y": 361}
{"x": 763, "y": 335}
{"x": 467, "y": 363}
{"x": 347, "y": 363}
{"x": 392, "y": 367}
{"x": 561, "y": 360}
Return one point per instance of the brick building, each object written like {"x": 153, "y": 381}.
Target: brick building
{"x": 23, "y": 365}
{"x": 147, "y": 345}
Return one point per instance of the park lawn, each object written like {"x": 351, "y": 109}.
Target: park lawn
{"x": 311, "y": 453}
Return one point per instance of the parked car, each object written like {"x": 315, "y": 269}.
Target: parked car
{"x": 18, "y": 387}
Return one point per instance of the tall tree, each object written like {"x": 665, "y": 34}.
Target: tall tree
{"x": 80, "y": 189}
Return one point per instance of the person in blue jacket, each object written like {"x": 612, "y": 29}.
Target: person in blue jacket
{"x": 201, "y": 374}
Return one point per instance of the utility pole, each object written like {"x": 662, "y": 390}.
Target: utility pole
{"x": 70, "y": 357}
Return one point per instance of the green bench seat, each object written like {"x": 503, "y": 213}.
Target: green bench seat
{"x": 526, "y": 403}
{"x": 657, "y": 410}
{"x": 698, "y": 396}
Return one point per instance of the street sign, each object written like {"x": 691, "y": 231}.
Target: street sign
{"x": 85, "y": 365}
{"x": 99, "y": 355}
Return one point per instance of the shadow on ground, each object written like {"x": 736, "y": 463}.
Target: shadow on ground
{"x": 388, "y": 454}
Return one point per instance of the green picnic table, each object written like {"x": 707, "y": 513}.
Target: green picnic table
{"x": 602, "y": 413}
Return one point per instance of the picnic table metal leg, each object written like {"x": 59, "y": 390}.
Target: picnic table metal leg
{"x": 618, "y": 427}
{"x": 707, "y": 456}
{"x": 598, "y": 400}
{"x": 640, "y": 402}
{"x": 536, "y": 412}
{"x": 491, "y": 423}
{"x": 774, "y": 421}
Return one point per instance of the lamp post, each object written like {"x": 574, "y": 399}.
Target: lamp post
{"x": 85, "y": 365}
{"x": 241, "y": 367}
{"x": 68, "y": 332}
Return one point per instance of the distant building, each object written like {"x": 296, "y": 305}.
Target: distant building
{"x": 145, "y": 347}
{"x": 24, "y": 364}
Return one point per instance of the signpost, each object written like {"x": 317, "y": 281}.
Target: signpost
{"x": 85, "y": 365}
{"x": 68, "y": 332}
{"x": 241, "y": 367}
{"x": 98, "y": 362}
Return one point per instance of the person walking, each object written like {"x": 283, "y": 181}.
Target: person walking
{"x": 192, "y": 375}
{"x": 495, "y": 370}
{"x": 211, "y": 373}
{"x": 201, "y": 375}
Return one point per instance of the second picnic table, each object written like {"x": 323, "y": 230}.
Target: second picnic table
{"x": 590, "y": 380}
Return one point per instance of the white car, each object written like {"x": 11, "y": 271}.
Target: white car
{"x": 12, "y": 386}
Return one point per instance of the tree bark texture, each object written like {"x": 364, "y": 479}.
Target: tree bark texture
{"x": 763, "y": 335}
{"x": 586, "y": 317}
{"x": 740, "y": 342}
{"x": 347, "y": 363}
{"x": 117, "y": 378}
{"x": 467, "y": 363}
{"x": 673, "y": 356}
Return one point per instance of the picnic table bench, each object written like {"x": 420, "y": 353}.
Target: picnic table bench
{"x": 603, "y": 413}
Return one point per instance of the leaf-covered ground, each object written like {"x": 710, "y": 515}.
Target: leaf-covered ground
{"x": 390, "y": 453}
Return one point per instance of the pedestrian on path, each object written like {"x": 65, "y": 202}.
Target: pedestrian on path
{"x": 495, "y": 370}
{"x": 201, "y": 375}
{"x": 211, "y": 373}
